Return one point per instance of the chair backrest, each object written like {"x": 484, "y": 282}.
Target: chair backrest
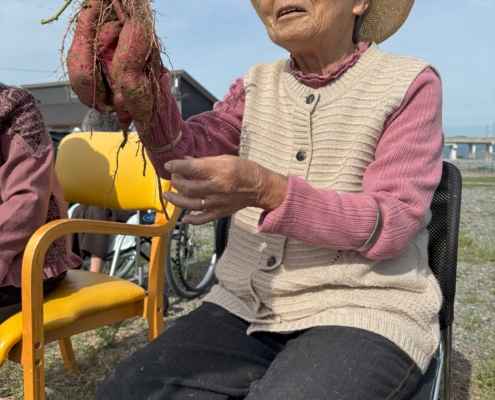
{"x": 222, "y": 235}
{"x": 86, "y": 165}
{"x": 442, "y": 243}
{"x": 443, "y": 237}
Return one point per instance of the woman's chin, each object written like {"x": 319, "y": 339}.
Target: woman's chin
{"x": 292, "y": 39}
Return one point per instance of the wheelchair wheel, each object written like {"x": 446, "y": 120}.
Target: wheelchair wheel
{"x": 190, "y": 267}
{"x": 124, "y": 267}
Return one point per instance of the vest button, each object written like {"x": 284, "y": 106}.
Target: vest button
{"x": 310, "y": 99}
{"x": 301, "y": 155}
{"x": 271, "y": 261}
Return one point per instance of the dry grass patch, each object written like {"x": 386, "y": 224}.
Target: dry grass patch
{"x": 97, "y": 353}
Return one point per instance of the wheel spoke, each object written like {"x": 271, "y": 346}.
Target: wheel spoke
{"x": 192, "y": 259}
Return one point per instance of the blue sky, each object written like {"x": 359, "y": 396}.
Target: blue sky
{"x": 218, "y": 40}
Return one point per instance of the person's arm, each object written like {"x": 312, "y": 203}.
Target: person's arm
{"x": 401, "y": 181}
{"x": 211, "y": 133}
{"x": 25, "y": 187}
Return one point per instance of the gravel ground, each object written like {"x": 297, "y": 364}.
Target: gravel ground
{"x": 99, "y": 351}
{"x": 474, "y": 325}
{"x": 478, "y": 211}
{"x": 179, "y": 307}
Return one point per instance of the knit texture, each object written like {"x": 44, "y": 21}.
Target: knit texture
{"x": 281, "y": 284}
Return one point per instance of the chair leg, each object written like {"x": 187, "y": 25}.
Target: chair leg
{"x": 156, "y": 284}
{"x": 34, "y": 381}
{"x": 447, "y": 364}
{"x": 68, "y": 356}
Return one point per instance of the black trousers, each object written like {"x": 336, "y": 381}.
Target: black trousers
{"x": 207, "y": 355}
{"x": 10, "y": 296}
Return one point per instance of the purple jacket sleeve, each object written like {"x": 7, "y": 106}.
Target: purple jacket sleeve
{"x": 25, "y": 183}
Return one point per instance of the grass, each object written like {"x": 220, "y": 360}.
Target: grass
{"x": 474, "y": 368}
{"x": 475, "y": 378}
{"x": 474, "y": 252}
{"x": 473, "y": 323}
{"x": 478, "y": 182}
{"x": 485, "y": 378}
{"x": 474, "y": 342}
{"x": 97, "y": 353}
{"x": 470, "y": 300}
{"x": 477, "y": 186}
{"x": 478, "y": 179}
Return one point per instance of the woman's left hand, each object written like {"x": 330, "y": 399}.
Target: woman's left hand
{"x": 226, "y": 183}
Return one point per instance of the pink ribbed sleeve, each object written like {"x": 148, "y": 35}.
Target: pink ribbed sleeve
{"x": 402, "y": 180}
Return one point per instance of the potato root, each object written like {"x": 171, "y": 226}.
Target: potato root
{"x": 114, "y": 62}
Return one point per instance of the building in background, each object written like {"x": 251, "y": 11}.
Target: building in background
{"x": 63, "y": 112}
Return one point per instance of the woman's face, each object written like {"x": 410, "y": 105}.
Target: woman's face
{"x": 310, "y": 23}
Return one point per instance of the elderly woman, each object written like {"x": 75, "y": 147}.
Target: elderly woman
{"x": 328, "y": 162}
{"x": 30, "y": 196}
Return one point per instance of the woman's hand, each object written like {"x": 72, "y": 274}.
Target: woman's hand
{"x": 226, "y": 183}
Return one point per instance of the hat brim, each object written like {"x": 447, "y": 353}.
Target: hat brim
{"x": 381, "y": 20}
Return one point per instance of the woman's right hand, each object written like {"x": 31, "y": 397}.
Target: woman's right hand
{"x": 223, "y": 185}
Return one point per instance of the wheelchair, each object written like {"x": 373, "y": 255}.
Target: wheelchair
{"x": 190, "y": 263}
{"x": 121, "y": 255}
{"x": 192, "y": 257}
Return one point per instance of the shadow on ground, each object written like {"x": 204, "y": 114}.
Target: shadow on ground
{"x": 461, "y": 377}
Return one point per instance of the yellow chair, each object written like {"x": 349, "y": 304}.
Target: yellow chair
{"x": 84, "y": 301}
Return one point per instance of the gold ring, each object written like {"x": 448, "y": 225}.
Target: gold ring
{"x": 203, "y": 204}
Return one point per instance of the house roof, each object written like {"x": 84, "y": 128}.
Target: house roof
{"x": 180, "y": 73}
{"x": 194, "y": 83}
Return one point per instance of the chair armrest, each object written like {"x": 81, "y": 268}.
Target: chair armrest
{"x": 32, "y": 271}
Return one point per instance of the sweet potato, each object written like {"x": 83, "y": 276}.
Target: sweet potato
{"x": 107, "y": 39}
{"x": 128, "y": 71}
{"x": 83, "y": 67}
{"x": 114, "y": 62}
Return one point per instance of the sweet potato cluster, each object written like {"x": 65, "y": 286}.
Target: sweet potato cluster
{"x": 114, "y": 61}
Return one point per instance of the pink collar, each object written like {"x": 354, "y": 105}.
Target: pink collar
{"x": 316, "y": 81}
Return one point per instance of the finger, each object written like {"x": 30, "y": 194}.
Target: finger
{"x": 199, "y": 168}
{"x": 186, "y": 203}
{"x": 200, "y": 219}
{"x": 194, "y": 188}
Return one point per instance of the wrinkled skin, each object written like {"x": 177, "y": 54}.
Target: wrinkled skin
{"x": 227, "y": 183}
{"x": 319, "y": 36}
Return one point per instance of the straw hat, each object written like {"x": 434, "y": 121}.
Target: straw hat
{"x": 380, "y": 21}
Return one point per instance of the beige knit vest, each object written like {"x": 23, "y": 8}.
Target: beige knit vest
{"x": 312, "y": 286}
